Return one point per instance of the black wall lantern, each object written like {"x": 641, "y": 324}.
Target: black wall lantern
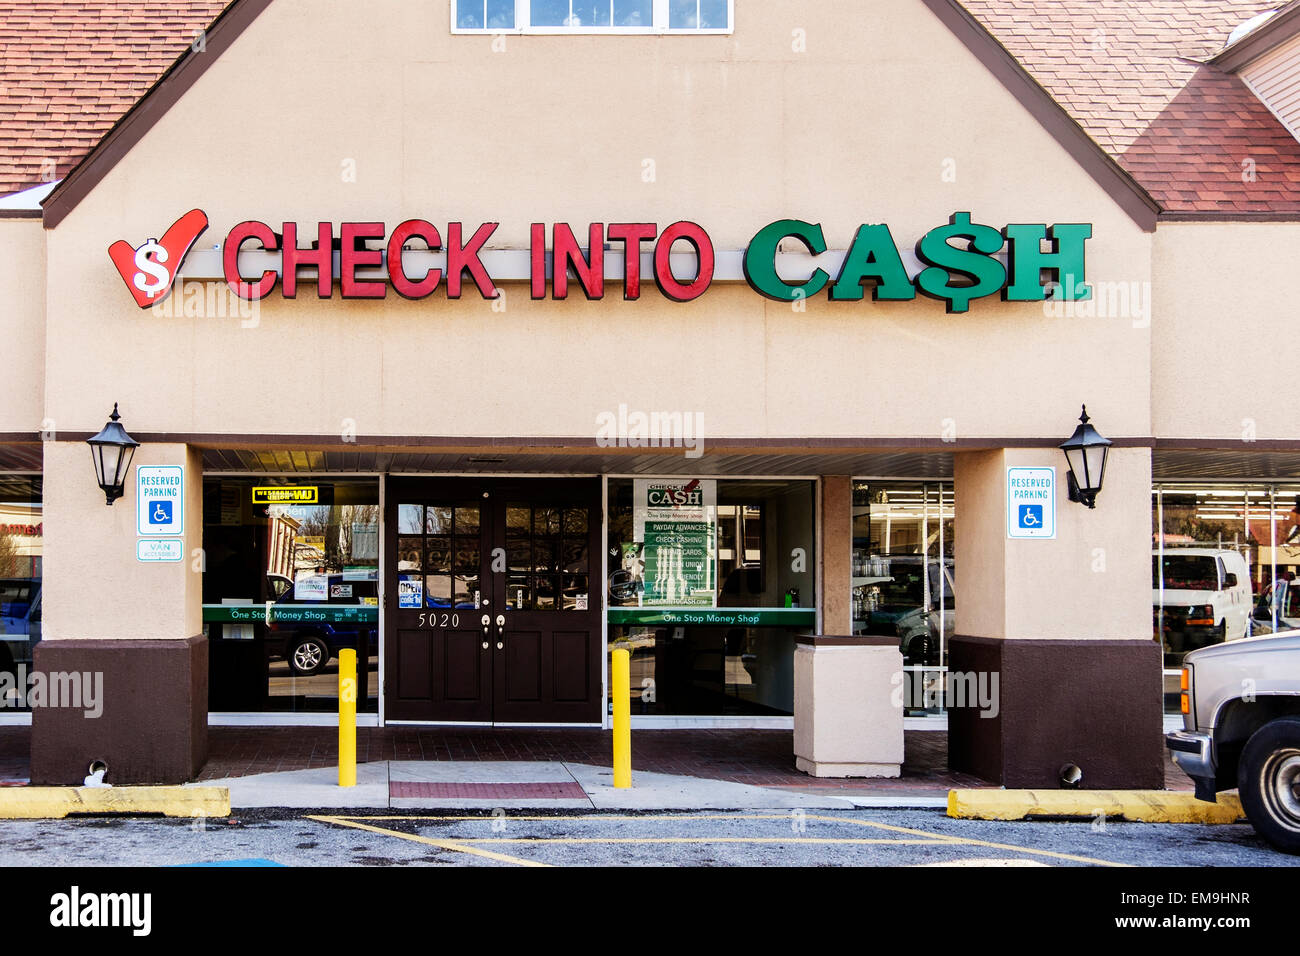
{"x": 1085, "y": 452}
{"x": 112, "y": 450}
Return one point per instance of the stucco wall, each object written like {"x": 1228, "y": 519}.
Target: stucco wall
{"x": 742, "y": 130}
{"x": 1090, "y": 581}
{"x": 1221, "y": 350}
{"x": 94, "y": 586}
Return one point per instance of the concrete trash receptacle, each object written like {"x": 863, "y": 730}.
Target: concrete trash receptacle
{"x": 848, "y": 713}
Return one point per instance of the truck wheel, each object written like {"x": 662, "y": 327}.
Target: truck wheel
{"x": 1268, "y": 779}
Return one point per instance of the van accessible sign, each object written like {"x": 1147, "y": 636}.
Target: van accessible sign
{"x": 1031, "y": 502}
{"x": 963, "y": 260}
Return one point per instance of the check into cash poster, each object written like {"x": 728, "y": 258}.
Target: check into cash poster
{"x": 676, "y": 524}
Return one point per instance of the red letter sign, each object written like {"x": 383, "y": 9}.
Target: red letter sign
{"x": 403, "y": 284}
{"x": 353, "y": 253}
{"x": 632, "y": 235}
{"x": 230, "y": 260}
{"x": 321, "y": 256}
{"x": 668, "y": 284}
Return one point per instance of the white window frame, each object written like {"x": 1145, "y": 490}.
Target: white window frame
{"x": 660, "y": 15}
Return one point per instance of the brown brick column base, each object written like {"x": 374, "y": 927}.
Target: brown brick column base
{"x": 153, "y": 728}
{"x": 1096, "y": 704}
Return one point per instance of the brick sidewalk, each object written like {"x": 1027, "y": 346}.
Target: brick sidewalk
{"x": 762, "y": 758}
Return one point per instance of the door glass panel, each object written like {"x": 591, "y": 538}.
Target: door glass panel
{"x": 518, "y": 518}
{"x": 547, "y": 589}
{"x": 519, "y": 556}
{"x": 468, "y": 592}
{"x": 437, "y": 590}
{"x": 546, "y": 521}
{"x": 437, "y": 520}
{"x": 409, "y": 551}
{"x": 575, "y": 521}
{"x": 543, "y": 556}
{"x": 438, "y": 554}
{"x": 519, "y": 593}
{"x": 575, "y": 556}
{"x": 410, "y": 519}
{"x": 467, "y": 519}
{"x": 575, "y": 592}
{"x": 467, "y": 557}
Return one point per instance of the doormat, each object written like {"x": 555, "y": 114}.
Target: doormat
{"x": 554, "y": 790}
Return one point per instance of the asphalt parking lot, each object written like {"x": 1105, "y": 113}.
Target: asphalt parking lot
{"x": 765, "y": 838}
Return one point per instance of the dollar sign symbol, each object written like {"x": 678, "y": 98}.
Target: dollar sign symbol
{"x": 986, "y": 275}
{"x": 161, "y": 277}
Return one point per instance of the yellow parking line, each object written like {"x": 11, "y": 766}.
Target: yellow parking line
{"x": 969, "y": 842}
{"x": 923, "y": 837}
{"x": 442, "y": 844}
{"x": 589, "y": 816}
{"x": 856, "y": 841}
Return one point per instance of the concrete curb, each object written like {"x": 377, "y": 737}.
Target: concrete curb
{"x": 1139, "y": 806}
{"x": 55, "y": 803}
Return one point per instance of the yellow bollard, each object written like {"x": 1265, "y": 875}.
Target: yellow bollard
{"x": 347, "y": 718}
{"x": 621, "y": 687}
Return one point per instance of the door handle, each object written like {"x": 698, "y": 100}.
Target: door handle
{"x": 501, "y": 623}
{"x": 486, "y": 622}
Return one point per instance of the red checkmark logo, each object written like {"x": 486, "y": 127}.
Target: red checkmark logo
{"x": 150, "y": 269}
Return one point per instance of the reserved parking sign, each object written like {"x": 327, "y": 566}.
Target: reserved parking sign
{"x": 160, "y": 500}
{"x": 1031, "y": 502}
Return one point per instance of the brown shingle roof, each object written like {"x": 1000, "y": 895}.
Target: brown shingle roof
{"x": 70, "y": 69}
{"x": 1131, "y": 72}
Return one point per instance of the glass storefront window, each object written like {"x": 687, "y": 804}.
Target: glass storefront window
{"x": 292, "y": 578}
{"x": 21, "y": 535}
{"x": 709, "y": 582}
{"x": 1223, "y": 560}
{"x": 902, "y": 579}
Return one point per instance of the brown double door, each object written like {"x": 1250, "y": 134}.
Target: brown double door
{"x": 493, "y": 600}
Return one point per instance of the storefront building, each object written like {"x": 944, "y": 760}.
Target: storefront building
{"x": 482, "y": 337}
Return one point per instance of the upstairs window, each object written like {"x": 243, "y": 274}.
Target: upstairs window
{"x": 592, "y": 16}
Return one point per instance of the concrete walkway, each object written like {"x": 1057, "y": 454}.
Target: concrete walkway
{"x": 512, "y": 785}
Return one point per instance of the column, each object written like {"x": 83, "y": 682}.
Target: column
{"x": 127, "y": 631}
{"x": 1053, "y": 663}
{"x": 836, "y": 547}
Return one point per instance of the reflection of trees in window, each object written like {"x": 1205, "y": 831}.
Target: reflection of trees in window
{"x": 1183, "y": 525}
{"x": 341, "y": 528}
{"x": 8, "y": 556}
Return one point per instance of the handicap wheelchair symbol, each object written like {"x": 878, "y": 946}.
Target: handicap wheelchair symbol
{"x": 160, "y": 512}
{"x": 1031, "y": 516}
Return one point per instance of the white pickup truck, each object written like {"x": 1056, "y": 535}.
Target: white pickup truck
{"x": 1201, "y": 598}
{"x": 1241, "y": 728}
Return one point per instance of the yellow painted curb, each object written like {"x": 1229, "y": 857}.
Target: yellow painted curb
{"x": 55, "y": 803}
{"x": 1144, "y": 806}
